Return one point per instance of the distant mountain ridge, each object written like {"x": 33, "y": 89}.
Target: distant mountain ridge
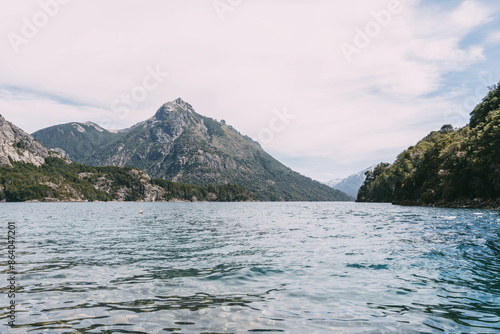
{"x": 333, "y": 182}
{"x": 351, "y": 184}
{"x": 181, "y": 145}
{"x": 82, "y": 138}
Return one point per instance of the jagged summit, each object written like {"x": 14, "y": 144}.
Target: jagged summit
{"x": 177, "y": 109}
{"x": 183, "y": 104}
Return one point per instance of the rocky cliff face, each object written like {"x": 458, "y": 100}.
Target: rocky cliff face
{"x": 17, "y": 145}
{"x": 140, "y": 183}
{"x": 181, "y": 145}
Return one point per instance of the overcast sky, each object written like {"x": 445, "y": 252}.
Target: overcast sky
{"x": 329, "y": 87}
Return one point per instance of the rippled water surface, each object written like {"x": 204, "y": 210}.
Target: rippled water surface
{"x": 252, "y": 268}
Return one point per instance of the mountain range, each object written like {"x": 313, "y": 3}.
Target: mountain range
{"x": 181, "y": 145}
{"x": 31, "y": 172}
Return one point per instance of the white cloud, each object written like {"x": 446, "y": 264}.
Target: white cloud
{"x": 470, "y": 14}
{"x": 32, "y": 112}
{"x": 262, "y": 56}
{"x": 494, "y": 37}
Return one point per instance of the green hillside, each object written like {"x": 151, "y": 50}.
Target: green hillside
{"x": 81, "y": 139}
{"x": 449, "y": 167}
{"x": 58, "y": 180}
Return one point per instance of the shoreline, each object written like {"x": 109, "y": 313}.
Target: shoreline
{"x": 173, "y": 200}
{"x": 476, "y": 203}
{"x": 457, "y": 204}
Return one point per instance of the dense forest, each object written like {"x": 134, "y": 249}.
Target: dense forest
{"x": 449, "y": 167}
{"x": 58, "y": 180}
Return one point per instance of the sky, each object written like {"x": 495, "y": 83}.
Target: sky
{"x": 327, "y": 87}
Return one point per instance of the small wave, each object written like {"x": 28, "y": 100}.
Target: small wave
{"x": 365, "y": 266}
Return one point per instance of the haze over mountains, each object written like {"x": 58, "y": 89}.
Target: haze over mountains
{"x": 351, "y": 184}
{"x": 181, "y": 145}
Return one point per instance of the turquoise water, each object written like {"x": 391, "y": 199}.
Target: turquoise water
{"x": 252, "y": 268}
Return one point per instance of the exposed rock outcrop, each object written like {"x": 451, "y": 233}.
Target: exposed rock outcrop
{"x": 17, "y": 145}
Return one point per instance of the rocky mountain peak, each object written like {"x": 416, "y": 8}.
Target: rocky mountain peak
{"x": 178, "y": 105}
{"x": 178, "y": 111}
{"x": 182, "y": 103}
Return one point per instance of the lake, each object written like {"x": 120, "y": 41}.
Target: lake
{"x": 251, "y": 268}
